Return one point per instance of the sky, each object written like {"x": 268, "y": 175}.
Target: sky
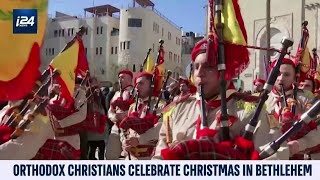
{"x": 188, "y": 14}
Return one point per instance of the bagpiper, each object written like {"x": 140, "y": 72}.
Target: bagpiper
{"x": 141, "y": 137}
{"x": 118, "y": 110}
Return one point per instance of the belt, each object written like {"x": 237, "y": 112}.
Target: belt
{"x": 142, "y": 151}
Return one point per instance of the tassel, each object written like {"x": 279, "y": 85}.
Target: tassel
{"x": 168, "y": 154}
{"x": 5, "y": 132}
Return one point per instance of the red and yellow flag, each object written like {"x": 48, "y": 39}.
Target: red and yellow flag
{"x": 148, "y": 67}
{"x": 71, "y": 62}
{"x": 160, "y": 71}
{"x": 231, "y": 17}
{"x": 235, "y": 38}
{"x": 20, "y": 54}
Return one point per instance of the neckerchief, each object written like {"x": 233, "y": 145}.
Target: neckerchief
{"x": 212, "y": 104}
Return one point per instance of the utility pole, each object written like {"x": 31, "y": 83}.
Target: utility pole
{"x": 268, "y": 17}
{"x": 93, "y": 44}
{"x": 303, "y": 12}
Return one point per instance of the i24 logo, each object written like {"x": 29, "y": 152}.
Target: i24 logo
{"x": 24, "y": 21}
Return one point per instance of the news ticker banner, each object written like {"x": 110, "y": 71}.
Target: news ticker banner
{"x": 160, "y": 169}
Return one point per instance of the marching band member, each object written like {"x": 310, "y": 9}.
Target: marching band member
{"x": 140, "y": 146}
{"x": 186, "y": 88}
{"x": 279, "y": 114}
{"x": 182, "y": 121}
{"x": 308, "y": 84}
{"x": 173, "y": 90}
{"x": 39, "y": 140}
{"x": 116, "y": 114}
{"x": 258, "y": 85}
{"x": 27, "y": 145}
{"x": 65, "y": 144}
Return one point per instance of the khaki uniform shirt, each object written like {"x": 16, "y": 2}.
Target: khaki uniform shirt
{"x": 183, "y": 119}
{"x": 309, "y": 140}
{"x": 150, "y": 137}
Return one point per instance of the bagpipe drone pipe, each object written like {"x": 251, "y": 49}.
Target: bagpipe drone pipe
{"x": 14, "y": 120}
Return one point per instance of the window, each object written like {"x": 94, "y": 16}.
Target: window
{"x": 111, "y": 50}
{"x": 100, "y": 50}
{"x": 52, "y": 51}
{"x": 59, "y": 32}
{"x": 101, "y": 28}
{"x": 69, "y": 33}
{"x": 72, "y": 31}
{"x": 115, "y": 32}
{"x": 97, "y": 50}
{"x": 177, "y": 41}
{"x": 155, "y": 27}
{"x": 62, "y": 32}
{"x": 134, "y": 68}
{"x": 116, "y": 50}
{"x": 170, "y": 55}
{"x": 55, "y": 34}
{"x": 120, "y": 46}
{"x": 133, "y": 22}
{"x": 124, "y": 45}
{"x": 97, "y": 30}
{"x": 169, "y": 36}
{"x": 174, "y": 57}
{"x": 128, "y": 44}
{"x": 46, "y": 51}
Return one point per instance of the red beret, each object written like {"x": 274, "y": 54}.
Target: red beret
{"x": 202, "y": 46}
{"x": 284, "y": 61}
{"x": 140, "y": 74}
{"x": 236, "y": 57}
{"x": 259, "y": 80}
{"x": 126, "y": 71}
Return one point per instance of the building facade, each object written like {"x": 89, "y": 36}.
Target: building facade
{"x": 189, "y": 39}
{"x": 115, "y": 38}
{"x": 286, "y": 19}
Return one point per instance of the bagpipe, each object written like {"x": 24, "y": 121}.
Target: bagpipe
{"x": 288, "y": 117}
{"x": 94, "y": 121}
{"x": 18, "y": 117}
{"x": 142, "y": 124}
{"x": 122, "y": 103}
{"x": 306, "y": 117}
